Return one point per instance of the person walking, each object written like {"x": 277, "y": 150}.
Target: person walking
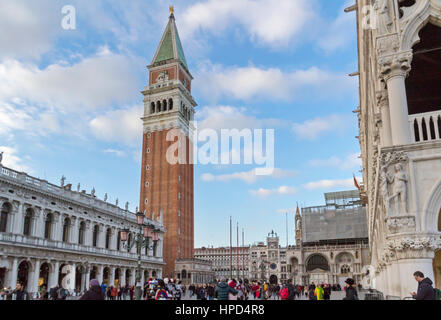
{"x": 223, "y": 290}
{"x": 319, "y": 292}
{"x": 327, "y": 292}
{"x": 95, "y": 292}
{"x": 351, "y": 292}
{"x": 425, "y": 289}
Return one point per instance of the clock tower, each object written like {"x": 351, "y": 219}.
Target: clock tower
{"x": 167, "y": 185}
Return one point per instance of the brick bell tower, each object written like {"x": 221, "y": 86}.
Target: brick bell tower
{"x": 167, "y": 188}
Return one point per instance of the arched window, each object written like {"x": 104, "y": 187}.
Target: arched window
{"x": 108, "y": 237}
{"x": 164, "y": 105}
{"x": 170, "y": 104}
{"x": 6, "y": 209}
{"x": 152, "y": 107}
{"x": 27, "y": 223}
{"x": 66, "y": 229}
{"x": 95, "y": 236}
{"x": 81, "y": 232}
{"x": 48, "y": 226}
{"x": 118, "y": 241}
{"x": 424, "y": 80}
{"x": 317, "y": 261}
{"x": 345, "y": 269}
{"x": 158, "y": 106}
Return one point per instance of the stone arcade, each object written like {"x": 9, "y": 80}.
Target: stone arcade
{"x": 400, "y": 138}
{"x": 45, "y": 230}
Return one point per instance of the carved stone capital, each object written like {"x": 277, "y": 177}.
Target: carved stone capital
{"x": 395, "y": 65}
{"x": 414, "y": 246}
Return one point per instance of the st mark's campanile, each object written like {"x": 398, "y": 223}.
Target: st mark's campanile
{"x": 167, "y": 186}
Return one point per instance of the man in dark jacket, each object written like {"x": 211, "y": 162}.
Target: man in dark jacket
{"x": 351, "y": 292}
{"x": 20, "y": 293}
{"x": 223, "y": 289}
{"x": 94, "y": 292}
{"x": 292, "y": 290}
{"x": 425, "y": 289}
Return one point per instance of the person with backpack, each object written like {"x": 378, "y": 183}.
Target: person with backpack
{"x": 94, "y": 292}
{"x": 284, "y": 293}
{"x": 291, "y": 290}
{"x": 223, "y": 290}
{"x": 425, "y": 289}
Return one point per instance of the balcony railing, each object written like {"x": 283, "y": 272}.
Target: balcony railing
{"x": 52, "y": 244}
{"x": 425, "y": 126}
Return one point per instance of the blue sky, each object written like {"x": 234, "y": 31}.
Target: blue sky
{"x": 70, "y": 100}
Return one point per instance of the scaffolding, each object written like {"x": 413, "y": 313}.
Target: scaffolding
{"x": 342, "y": 218}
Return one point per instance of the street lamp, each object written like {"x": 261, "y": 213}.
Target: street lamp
{"x": 141, "y": 241}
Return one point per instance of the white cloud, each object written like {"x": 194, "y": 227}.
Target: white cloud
{"x": 248, "y": 176}
{"x": 228, "y": 117}
{"x": 331, "y": 184}
{"x": 283, "y": 190}
{"x": 349, "y": 162}
{"x": 244, "y": 83}
{"x": 12, "y": 160}
{"x": 313, "y": 128}
{"x": 117, "y": 153}
{"x": 20, "y": 116}
{"x": 93, "y": 83}
{"x": 27, "y": 28}
{"x": 270, "y": 22}
{"x": 124, "y": 126}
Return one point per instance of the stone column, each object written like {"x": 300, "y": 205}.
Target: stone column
{"x": 112, "y": 276}
{"x": 395, "y": 70}
{"x": 18, "y": 220}
{"x": 407, "y": 268}
{"x": 122, "y": 277}
{"x": 100, "y": 274}
{"x": 132, "y": 276}
{"x": 53, "y": 275}
{"x": 113, "y": 239}
{"x": 57, "y": 227}
{"x": 39, "y": 230}
{"x": 383, "y": 104}
{"x": 88, "y": 233}
{"x": 85, "y": 283}
{"x": 74, "y": 230}
{"x": 13, "y": 274}
{"x": 101, "y": 237}
{"x": 33, "y": 284}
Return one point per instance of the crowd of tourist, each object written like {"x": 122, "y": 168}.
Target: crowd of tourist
{"x": 224, "y": 289}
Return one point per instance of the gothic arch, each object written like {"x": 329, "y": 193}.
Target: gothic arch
{"x": 344, "y": 258}
{"x": 423, "y": 13}
{"x": 432, "y": 209}
{"x": 317, "y": 261}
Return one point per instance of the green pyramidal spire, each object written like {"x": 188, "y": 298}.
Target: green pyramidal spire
{"x": 170, "y": 46}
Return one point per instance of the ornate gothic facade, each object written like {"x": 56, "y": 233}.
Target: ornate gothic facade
{"x": 400, "y": 138}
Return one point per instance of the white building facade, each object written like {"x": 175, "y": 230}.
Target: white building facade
{"x": 400, "y": 139}
{"x": 226, "y": 262}
{"x": 52, "y": 235}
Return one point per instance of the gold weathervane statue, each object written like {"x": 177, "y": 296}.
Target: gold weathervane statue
{"x": 172, "y": 10}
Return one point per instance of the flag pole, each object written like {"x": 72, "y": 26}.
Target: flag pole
{"x": 231, "y": 249}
